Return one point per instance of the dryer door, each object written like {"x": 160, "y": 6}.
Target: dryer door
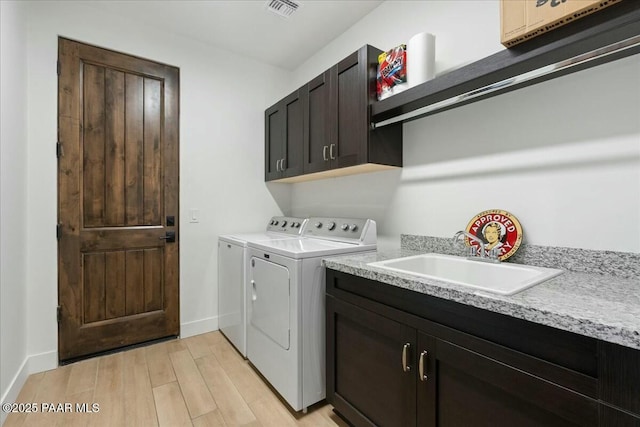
{"x": 269, "y": 288}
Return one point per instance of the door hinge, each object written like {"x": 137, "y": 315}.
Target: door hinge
{"x": 59, "y": 313}
{"x": 58, "y": 231}
{"x": 58, "y": 67}
{"x": 59, "y": 150}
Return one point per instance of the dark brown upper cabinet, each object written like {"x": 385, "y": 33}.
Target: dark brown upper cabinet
{"x": 338, "y": 138}
{"x": 284, "y": 138}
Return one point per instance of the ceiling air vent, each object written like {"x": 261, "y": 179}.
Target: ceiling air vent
{"x": 283, "y": 7}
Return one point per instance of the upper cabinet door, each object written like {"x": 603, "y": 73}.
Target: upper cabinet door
{"x": 284, "y": 138}
{"x": 274, "y": 119}
{"x": 291, "y": 163}
{"x": 349, "y": 140}
{"x": 317, "y": 123}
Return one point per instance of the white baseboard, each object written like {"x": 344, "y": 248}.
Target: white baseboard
{"x": 198, "y": 327}
{"x": 43, "y": 362}
{"x": 11, "y": 394}
{"x": 31, "y": 365}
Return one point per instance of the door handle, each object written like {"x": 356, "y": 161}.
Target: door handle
{"x": 405, "y": 349}
{"x": 423, "y": 356}
{"x": 282, "y": 168}
{"x": 278, "y": 165}
{"x": 331, "y": 153}
{"x": 324, "y": 153}
{"x": 254, "y": 295}
{"x": 170, "y": 236}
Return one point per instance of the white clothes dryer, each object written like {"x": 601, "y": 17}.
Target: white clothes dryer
{"x": 286, "y": 309}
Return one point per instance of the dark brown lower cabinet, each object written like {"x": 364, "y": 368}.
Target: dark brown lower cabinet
{"x": 370, "y": 385}
{"x": 388, "y": 374}
{"x": 387, "y": 367}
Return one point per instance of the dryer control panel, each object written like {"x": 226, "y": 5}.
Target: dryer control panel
{"x": 287, "y": 224}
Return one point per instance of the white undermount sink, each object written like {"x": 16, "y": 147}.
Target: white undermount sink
{"x": 499, "y": 278}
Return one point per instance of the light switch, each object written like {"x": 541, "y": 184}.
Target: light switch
{"x": 194, "y": 215}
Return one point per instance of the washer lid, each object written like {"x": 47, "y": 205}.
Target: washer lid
{"x": 243, "y": 238}
{"x": 308, "y": 247}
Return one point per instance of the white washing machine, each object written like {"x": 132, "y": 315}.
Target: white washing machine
{"x": 232, "y": 264}
{"x": 286, "y": 312}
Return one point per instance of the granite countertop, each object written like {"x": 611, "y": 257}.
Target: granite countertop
{"x": 601, "y": 306}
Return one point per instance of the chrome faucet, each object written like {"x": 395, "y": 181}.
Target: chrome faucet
{"x": 473, "y": 254}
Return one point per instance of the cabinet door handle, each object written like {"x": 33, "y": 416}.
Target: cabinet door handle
{"x": 423, "y": 356}
{"x": 331, "y": 154}
{"x": 282, "y": 168}
{"x": 324, "y": 153}
{"x": 405, "y": 349}
{"x": 278, "y": 165}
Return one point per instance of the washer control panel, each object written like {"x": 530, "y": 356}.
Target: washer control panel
{"x": 287, "y": 225}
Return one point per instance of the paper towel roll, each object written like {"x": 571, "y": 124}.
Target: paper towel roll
{"x": 421, "y": 58}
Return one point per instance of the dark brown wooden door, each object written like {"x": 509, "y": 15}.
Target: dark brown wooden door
{"x": 465, "y": 388}
{"x": 118, "y": 280}
{"x": 294, "y": 126}
{"x": 317, "y": 124}
{"x": 366, "y": 380}
{"x": 274, "y": 119}
{"x": 350, "y": 87}
{"x": 284, "y": 138}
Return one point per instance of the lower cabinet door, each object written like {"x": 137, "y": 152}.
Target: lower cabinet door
{"x": 613, "y": 417}
{"x": 426, "y": 406}
{"x": 473, "y": 390}
{"x": 371, "y": 367}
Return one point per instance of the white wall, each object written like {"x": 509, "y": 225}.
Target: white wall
{"x": 13, "y": 201}
{"x": 221, "y": 153}
{"x": 562, "y": 156}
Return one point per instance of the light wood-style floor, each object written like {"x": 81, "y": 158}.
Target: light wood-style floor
{"x": 198, "y": 381}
